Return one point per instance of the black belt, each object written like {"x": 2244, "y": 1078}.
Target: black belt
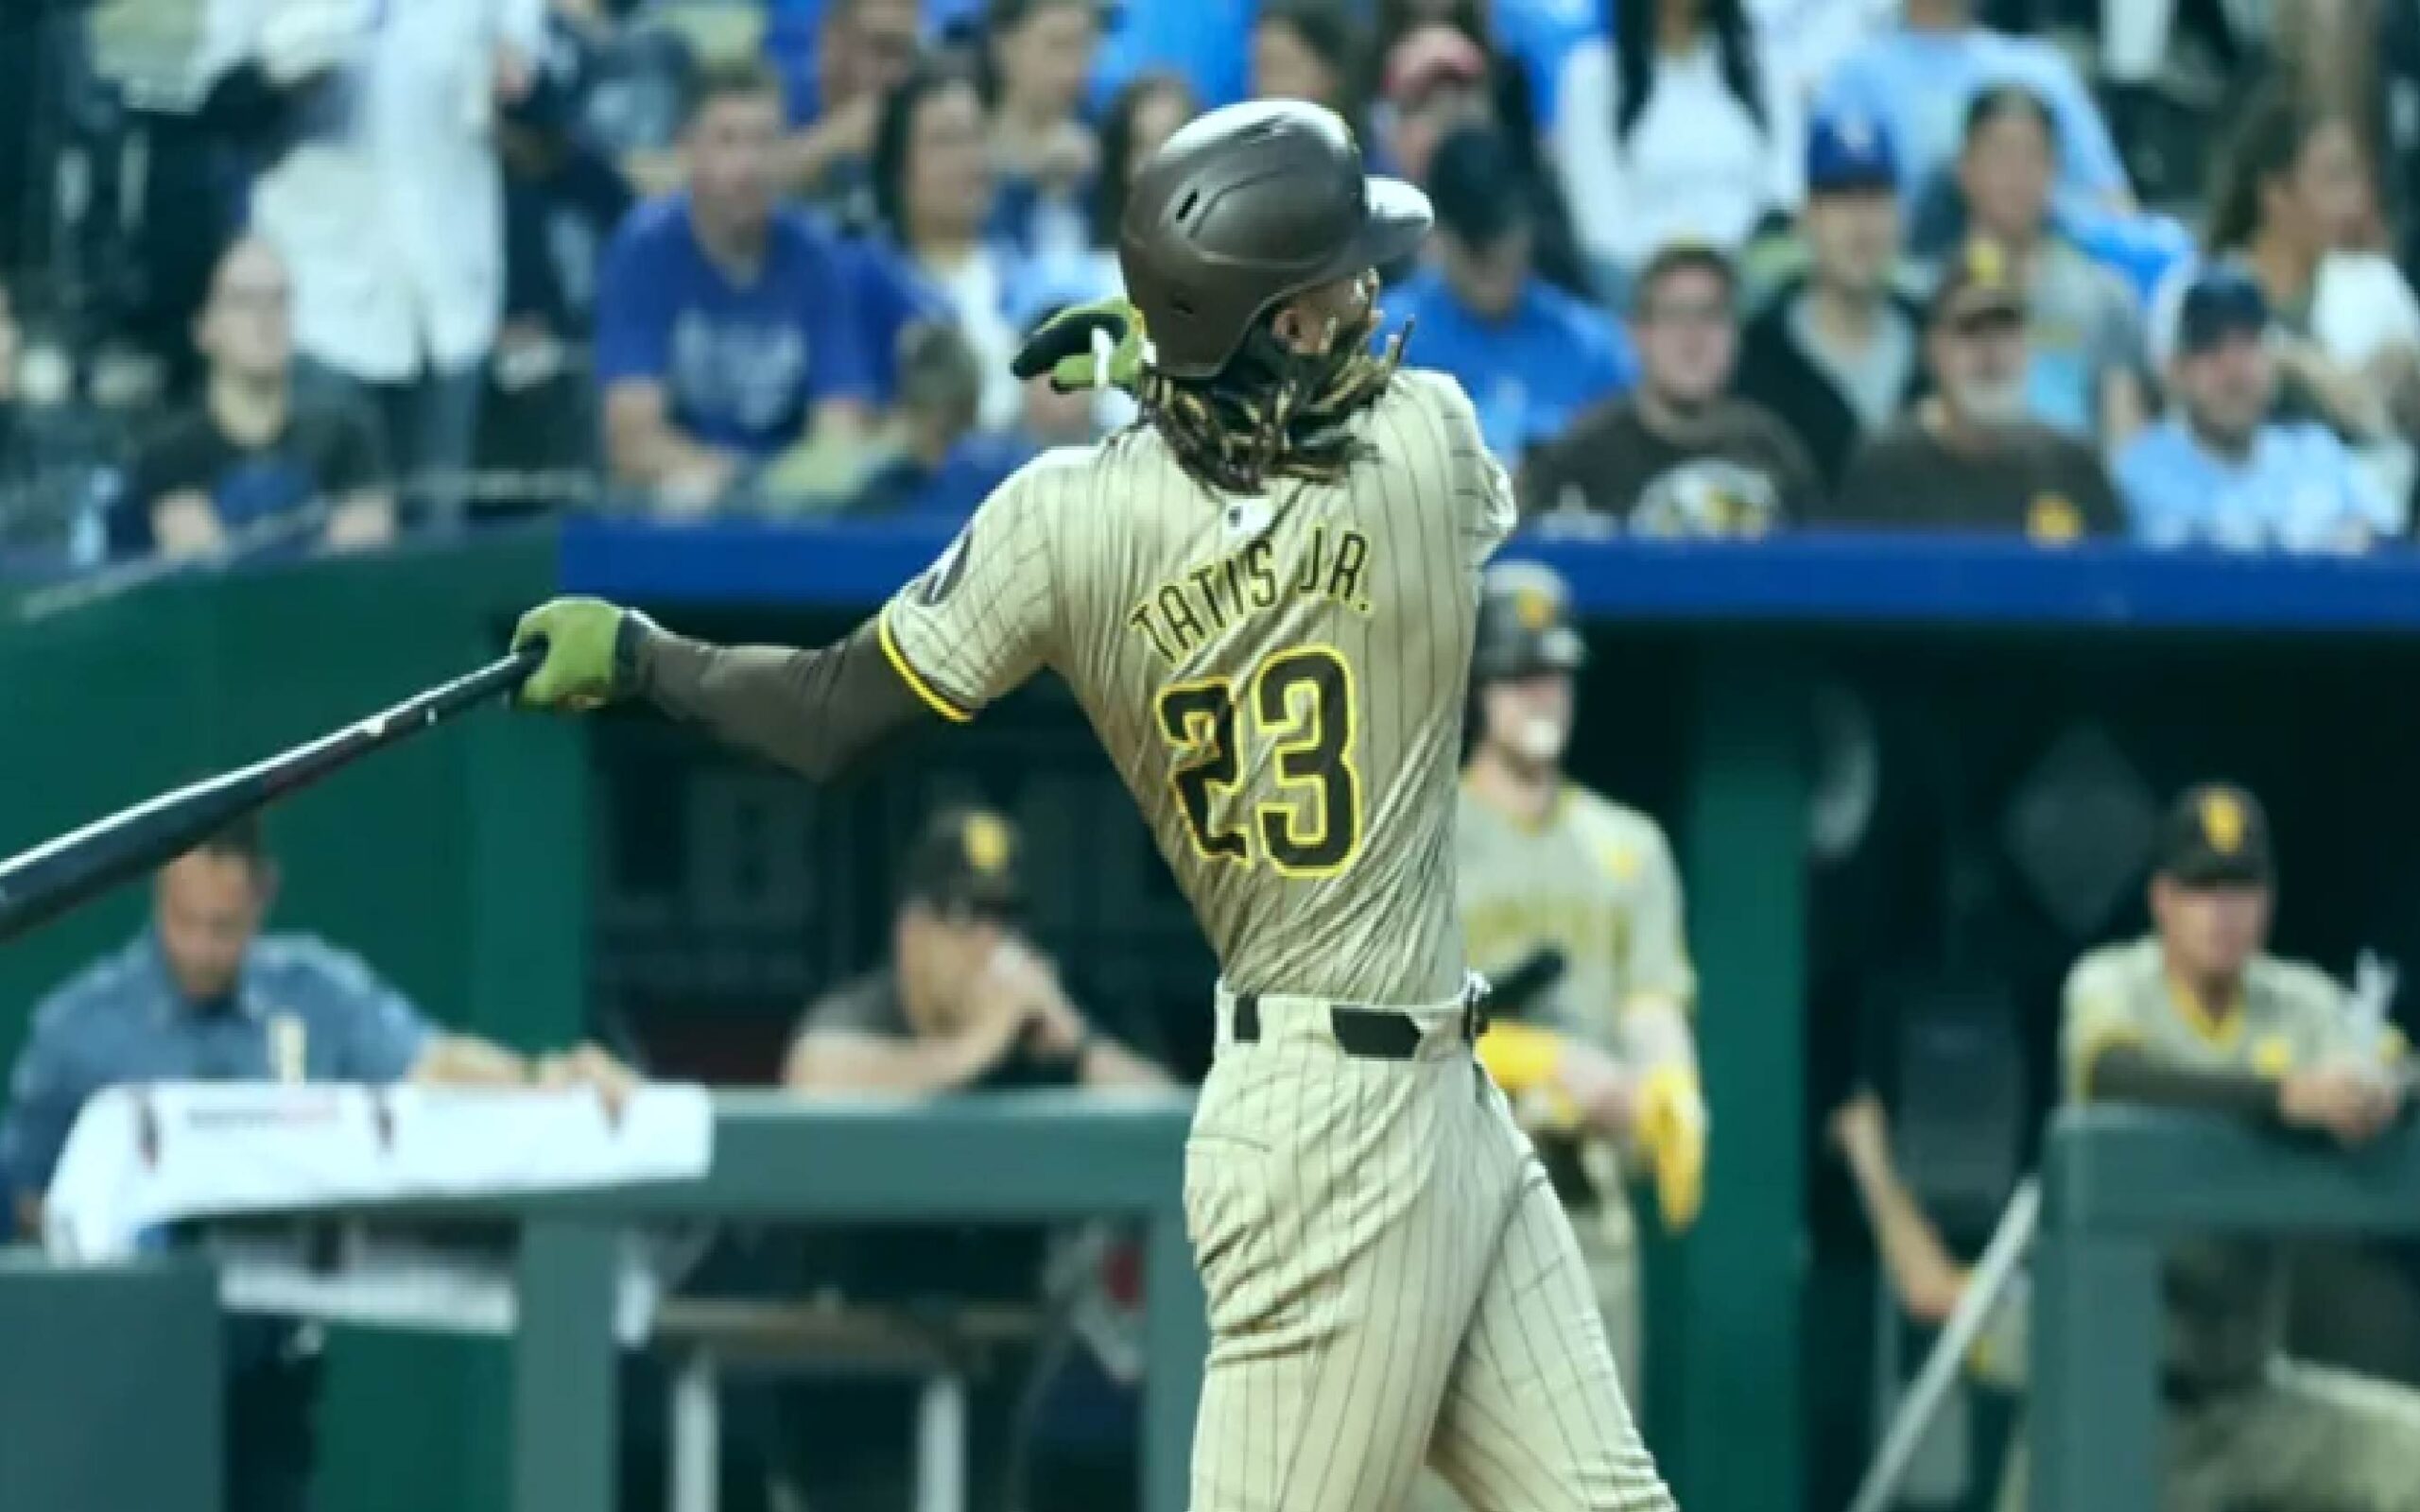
{"x": 1365, "y": 1034}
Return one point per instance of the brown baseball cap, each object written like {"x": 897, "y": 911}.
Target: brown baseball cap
{"x": 964, "y": 864}
{"x": 2216, "y": 835}
{"x": 1978, "y": 280}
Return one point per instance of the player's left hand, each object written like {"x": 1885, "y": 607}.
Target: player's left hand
{"x": 1099, "y": 345}
{"x": 1672, "y": 1128}
{"x": 578, "y": 673}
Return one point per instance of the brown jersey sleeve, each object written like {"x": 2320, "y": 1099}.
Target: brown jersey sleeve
{"x": 983, "y": 617}
{"x": 813, "y": 711}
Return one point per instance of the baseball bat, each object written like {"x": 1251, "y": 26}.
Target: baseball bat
{"x": 49, "y": 880}
{"x": 2010, "y": 1242}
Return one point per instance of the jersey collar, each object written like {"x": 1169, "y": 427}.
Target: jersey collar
{"x": 171, "y": 998}
{"x": 1541, "y": 825}
{"x": 2222, "y": 1029}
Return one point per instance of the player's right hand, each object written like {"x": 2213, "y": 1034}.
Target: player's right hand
{"x": 2352, "y": 1103}
{"x": 579, "y": 671}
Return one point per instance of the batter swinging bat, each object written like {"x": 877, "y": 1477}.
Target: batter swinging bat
{"x": 52, "y": 877}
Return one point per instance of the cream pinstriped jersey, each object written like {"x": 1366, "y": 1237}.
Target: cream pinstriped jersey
{"x": 1596, "y": 881}
{"x": 1280, "y": 678}
{"x": 2225, "y": 1298}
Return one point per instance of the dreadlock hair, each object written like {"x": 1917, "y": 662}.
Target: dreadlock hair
{"x": 1272, "y": 412}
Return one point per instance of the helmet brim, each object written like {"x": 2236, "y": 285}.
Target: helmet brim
{"x": 1400, "y": 218}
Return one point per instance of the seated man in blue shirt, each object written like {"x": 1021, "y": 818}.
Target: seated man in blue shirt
{"x": 202, "y": 996}
{"x": 2217, "y": 472}
{"x": 1531, "y": 357}
{"x": 722, "y": 333}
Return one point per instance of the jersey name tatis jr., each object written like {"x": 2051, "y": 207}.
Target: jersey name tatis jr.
{"x": 1181, "y": 614}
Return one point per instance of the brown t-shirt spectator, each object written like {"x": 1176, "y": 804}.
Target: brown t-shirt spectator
{"x": 2030, "y": 481}
{"x": 1738, "y": 473}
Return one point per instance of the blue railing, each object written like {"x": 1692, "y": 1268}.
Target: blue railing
{"x": 1785, "y": 580}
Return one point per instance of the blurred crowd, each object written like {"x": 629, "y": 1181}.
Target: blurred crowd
{"x": 1707, "y": 267}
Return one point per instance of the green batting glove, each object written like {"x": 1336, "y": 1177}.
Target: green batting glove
{"x": 579, "y": 672}
{"x": 1099, "y": 345}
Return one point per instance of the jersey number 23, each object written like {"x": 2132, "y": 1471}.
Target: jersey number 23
{"x": 1300, "y": 705}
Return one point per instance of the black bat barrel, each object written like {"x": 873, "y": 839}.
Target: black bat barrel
{"x": 54, "y": 877}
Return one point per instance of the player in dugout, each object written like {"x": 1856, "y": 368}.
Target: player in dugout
{"x": 202, "y": 995}
{"x": 965, "y": 1004}
{"x": 966, "y": 1000}
{"x": 2198, "y": 1016}
{"x": 1571, "y": 905}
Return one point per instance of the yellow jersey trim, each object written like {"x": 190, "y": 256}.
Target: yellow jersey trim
{"x": 1521, "y": 823}
{"x": 2222, "y": 1031}
{"x": 908, "y": 675}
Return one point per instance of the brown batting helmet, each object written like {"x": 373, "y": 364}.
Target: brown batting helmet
{"x": 1244, "y": 208}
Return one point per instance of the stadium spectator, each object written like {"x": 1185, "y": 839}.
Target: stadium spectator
{"x": 1968, "y": 458}
{"x": 1309, "y": 50}
{"x": 1679, "y": 456}
{"x": 254, "y": 449}
{"x": 966, "y": 999}
{"x": 1531, "y": 357}
{"x": 2217, "y": 470}
{"x": 1435, "y": 83}
{"x": 1438, "y": 81}
{"x": 938, "y": 464}
{"x": 565, "y": 192}
{"x": 1205, "y": 43}
{"x": 1044, "y": 155}
{"x": 1528, "y": 42}
{"x": 1669, "y": 131}
{"x": 863, "y": 50}
{"x": 2198, "y": 1016}
{"x": 1143, "y": 113}
{"x": 2292, "y": 196}
{"x": 1836, "y": 354}
{"x": 1429, "y": 83}
{"x": 202, "y": 995}
{"x": 2084, "y": 337}
{"x": 1146, "y": 112}
{"x": 1074, "y": 419}
{"x": 1806, "y": 42}
{"x": 719, "y": 340}
{"x": 932, "y": 194}
{"x": 1917, "y": 77}
{"x": 564, "y": 195}
{"x": 385, "y": 197}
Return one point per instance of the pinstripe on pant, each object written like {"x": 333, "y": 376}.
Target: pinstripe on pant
{"x": 1391, "y": 1281}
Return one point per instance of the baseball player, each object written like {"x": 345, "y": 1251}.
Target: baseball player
{"x": 1262, "y": 594}
{"x": 2198, "y": 1016}
{"x": 1570, "y": 903}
